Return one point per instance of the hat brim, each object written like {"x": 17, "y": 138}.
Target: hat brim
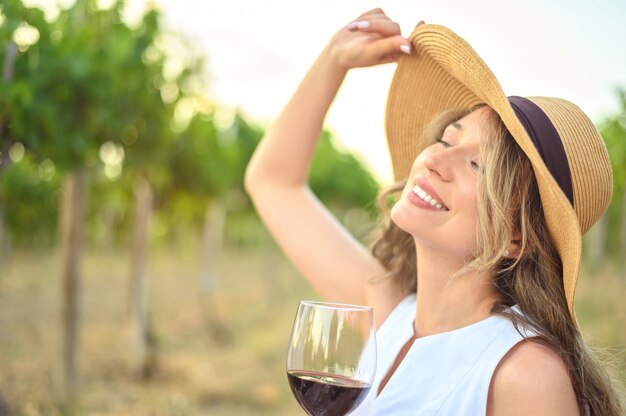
{"x": 444, "y": 73}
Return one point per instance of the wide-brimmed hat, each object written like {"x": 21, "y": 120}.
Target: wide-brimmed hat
{"x": 566, "y": 151}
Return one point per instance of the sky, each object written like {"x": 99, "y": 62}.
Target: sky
{"x": 257, "y": 52}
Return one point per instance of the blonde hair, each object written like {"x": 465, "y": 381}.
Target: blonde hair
{"x": 509, "y": 204}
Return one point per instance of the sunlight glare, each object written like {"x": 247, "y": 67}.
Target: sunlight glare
{"x": 25, "y": 36}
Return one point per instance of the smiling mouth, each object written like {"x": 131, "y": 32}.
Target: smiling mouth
{"x": 424, "y": 196}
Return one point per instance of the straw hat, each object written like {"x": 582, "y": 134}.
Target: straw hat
{"x": 566, "y": 151}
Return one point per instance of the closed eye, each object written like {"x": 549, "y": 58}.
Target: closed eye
{"x": 443, "y": 143}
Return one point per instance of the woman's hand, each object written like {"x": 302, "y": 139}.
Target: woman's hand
{"x": 371, "y": 39}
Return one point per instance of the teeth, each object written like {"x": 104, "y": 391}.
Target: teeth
{"x": 427, "y": 198}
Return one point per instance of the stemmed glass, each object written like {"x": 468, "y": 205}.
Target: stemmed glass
{"x": 331, "y": 360}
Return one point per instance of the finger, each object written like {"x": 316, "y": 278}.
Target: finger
{"x": 391, "y": 45}
{"x": 382, "y": 27}
{"x": 369, "y": 15}
{"x": 392, "y": 57}
{"x": 373, "y": 12}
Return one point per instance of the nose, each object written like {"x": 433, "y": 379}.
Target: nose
{"x": 438, "y": 163}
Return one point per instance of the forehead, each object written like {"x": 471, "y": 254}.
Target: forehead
{"x": 473, "y": 124}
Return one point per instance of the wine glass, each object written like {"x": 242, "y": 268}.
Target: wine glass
{"x": 331, "y": 360}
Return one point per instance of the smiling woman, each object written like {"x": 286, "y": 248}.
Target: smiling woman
{"x": 443, "y": 179}
{"x": 472, "y": 280}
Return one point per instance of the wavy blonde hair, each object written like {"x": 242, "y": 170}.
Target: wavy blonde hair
{"x": 508, "y": 204}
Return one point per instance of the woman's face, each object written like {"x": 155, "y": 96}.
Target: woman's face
{"x": 438, "y": 204}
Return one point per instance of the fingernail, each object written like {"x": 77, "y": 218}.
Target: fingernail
{"x": 363, "y": 25}
{"x": 351, "y": 25}
{"x": 406, "y": 49}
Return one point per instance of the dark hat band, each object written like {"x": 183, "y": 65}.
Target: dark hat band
{"x": 546, "y": 140}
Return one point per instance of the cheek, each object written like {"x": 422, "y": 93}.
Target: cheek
{"x": 416, "y": 168}
{"x": 468, "y": 199}
{"x": 469, "y": 195}
{"x": 410, "y": 178}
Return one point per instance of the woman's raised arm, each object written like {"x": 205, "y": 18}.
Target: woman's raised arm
{"x": 335, "y": 263}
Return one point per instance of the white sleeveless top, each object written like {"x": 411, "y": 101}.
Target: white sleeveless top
{"x": 442, "y": 374}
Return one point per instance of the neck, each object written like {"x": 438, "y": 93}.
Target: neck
{"x": 445, "y": 303}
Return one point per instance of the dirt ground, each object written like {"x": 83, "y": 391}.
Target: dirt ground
{"x": 241, "y": 373}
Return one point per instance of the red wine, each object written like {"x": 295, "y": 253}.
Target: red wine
{"x": 325, "y": 394}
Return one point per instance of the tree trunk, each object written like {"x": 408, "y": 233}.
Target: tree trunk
{"x": 7, "y": 77}
{"x": 71, "y": 244}
{"x": 142, "y": 351}
{"x": 108, "y": 221}
{"x": 622, "y": 234}
{"x": 211, "y": 248}
{"x": 596, "y": 239}
{"x": 5, "y": 242}
{"x": 5, "y": 237}
{"x": 9, "y": 62}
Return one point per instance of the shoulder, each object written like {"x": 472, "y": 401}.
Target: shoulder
{"x": 531, "y": 379}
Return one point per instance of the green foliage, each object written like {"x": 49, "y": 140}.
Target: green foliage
{"x": 239, "y": 142}
{"x": 57, "y": 100}
{"x": 208, "y": 163}
{"x": 613, "y": 130}
{"x": 87, "y": 83}
{"x": 109, "y": 209}
{"x": 89, "y": 91}
{"x": 91, "y": 79}
{"x": 337, "y": 177}
{"x": 196, "y": 159}
{"x": 30, "y": 202}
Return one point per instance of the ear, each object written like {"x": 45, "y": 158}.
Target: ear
{"x": 514, "y": 250}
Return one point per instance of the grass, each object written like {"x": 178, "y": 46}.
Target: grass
{"x": 256, "y": 299}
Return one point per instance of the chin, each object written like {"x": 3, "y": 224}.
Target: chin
{"x": 401, "y": 216}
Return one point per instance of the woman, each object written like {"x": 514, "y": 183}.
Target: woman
{"x": 472, "y": 281}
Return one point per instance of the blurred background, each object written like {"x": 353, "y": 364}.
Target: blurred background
{"x": 135, "y": 276}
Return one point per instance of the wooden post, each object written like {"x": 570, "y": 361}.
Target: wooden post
{"x": 211, "y": 250}
{"x": 622, "y": 234}
{"x": 140, "y": 352}
{"x": 9, "y": 62}
{"x": 71, "y": 244}
{"x": 8, "y": 70}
